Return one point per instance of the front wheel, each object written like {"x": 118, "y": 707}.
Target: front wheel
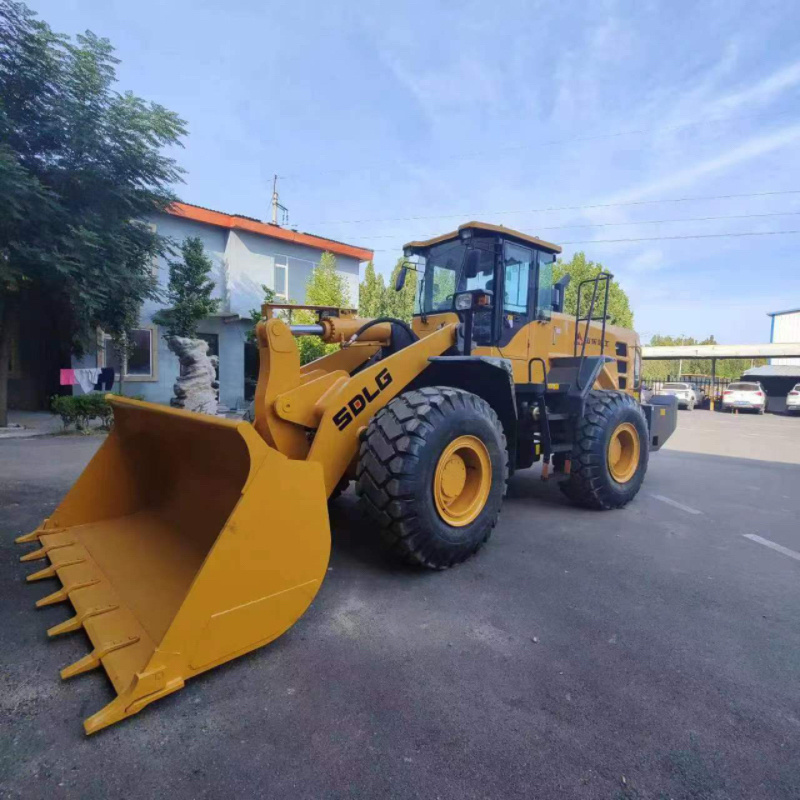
{"x": 432, "y": 474}
{"x": 610, "y": 453}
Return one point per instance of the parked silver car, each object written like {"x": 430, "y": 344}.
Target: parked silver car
{"x": 793, "y": 400}
{"x": 684, "y": 392}
{"x": 745, "y": 395}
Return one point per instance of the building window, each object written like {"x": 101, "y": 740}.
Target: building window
{"x": 140, "y": 364}
{"x": 281, "y": 281}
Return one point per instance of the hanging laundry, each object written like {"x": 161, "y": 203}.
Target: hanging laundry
{"x": 68, "y": 377}
{"x": 106, "y": 380}
{"x": 87, "y": 378}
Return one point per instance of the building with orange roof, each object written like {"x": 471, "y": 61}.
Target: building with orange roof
{"x": 247, "y": 254}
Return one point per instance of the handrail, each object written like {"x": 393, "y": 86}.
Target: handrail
{"x": 595, "y": 281}
{"x": 544, "y": 369}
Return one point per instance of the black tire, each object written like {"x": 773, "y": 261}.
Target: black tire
{"x": 590, "y": 483}
{"x": 396, "y": 467}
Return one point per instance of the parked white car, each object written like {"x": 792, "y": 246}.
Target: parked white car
{"x": 745, "y": 396}
{"x": 684, "y": 392}
{"x": 793, "y": 400}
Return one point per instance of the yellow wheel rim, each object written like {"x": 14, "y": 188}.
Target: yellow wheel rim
{"x": 623, "y": 452}
{"x": 462, "y": 481}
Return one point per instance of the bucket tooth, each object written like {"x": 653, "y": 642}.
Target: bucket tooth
{"x": 50, "y": 572}
{"x": 33, "y": 536}
{"x": 43, "y": 551}
{"x": 34, "y": 555}
{"x": 42, "y": 530}
{"x": 77, "y": 621}
{"x": 127, "y": 704}
{"x": 92, "y": 660}
{"x": 62, "y": 594}
{"x": 84, "y": 664}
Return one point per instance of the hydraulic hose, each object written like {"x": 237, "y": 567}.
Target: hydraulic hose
{"x": 378, "y": 320}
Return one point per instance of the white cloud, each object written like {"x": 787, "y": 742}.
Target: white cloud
{"x": 760, "y": 92}
{"x": 753, "y": 148}
{"x": 649, "y": 260}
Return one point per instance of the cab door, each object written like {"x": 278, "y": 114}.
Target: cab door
{"x": 516, "y": 312}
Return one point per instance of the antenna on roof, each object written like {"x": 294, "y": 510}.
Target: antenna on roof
{"x": 276, "y": 206}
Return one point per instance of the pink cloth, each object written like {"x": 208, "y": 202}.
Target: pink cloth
{"x": 68, "y": 377}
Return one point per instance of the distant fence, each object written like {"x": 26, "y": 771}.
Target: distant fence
{"x": 711, "y": 387}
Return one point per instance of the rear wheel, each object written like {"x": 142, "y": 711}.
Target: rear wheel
{"x": 432, "y": 474}
{"x": 609, "y": 457}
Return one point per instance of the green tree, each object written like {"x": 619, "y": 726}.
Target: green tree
{"x": 580, "y": 269}
{"x": 401, "y": 304}
{"x": 371, "y": 294}
{"x": 255, "y": 313}
{"x": 729, "y": 368}
{"x": 189, "y": 291}
{"x": 325, "y": 287}
{"x": 80, "y": 166}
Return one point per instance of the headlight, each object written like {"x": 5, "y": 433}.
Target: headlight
{"x": 463, "y": 302}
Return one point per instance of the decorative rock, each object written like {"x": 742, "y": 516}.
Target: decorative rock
{"x": 197, "y": 387}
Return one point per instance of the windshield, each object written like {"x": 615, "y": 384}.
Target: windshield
{"x": 676, "y": 385}
{"x": 744, "y": 387}
{"x": 449, "y": 269}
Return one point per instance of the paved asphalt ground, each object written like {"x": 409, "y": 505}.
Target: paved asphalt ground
{"x": 652, "y": 652}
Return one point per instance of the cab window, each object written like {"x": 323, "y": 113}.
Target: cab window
{"x": 544, "y": 286}
{"x": 518, "y": 262}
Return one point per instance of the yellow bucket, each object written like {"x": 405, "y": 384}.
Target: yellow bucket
{"x": 187, "y": 541}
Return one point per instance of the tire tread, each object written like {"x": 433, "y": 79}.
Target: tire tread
{"x": 389, "y": 456}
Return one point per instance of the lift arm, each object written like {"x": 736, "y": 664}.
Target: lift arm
{"x": 317, "y": 415}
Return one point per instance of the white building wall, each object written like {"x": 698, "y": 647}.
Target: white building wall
{"x": 243, "y": 261}
{"x": 786, "y": 328}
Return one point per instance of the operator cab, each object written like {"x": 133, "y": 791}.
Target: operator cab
{"x": 503, "y": 276}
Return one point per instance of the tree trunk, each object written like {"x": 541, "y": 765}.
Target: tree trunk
{"x": 5, "y": 355}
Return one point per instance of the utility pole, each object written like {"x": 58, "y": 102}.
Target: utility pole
{"x": 276, "y": 206}
{"x": 274, "y": 199}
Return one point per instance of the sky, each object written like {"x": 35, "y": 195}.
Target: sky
{"x": 640, "y": 121}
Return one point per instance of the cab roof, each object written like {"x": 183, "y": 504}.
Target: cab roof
{"x": 506, "y": 233}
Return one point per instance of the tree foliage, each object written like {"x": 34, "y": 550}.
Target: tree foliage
{"x": 401, "y": 304}
{"x": 726, "y": 368}
{"x": 376, "y": 299}
{"x": 581, "y": 269}
{"x": 371, "y": 294}
{"x": 325, "y": 287}
{"x": 189, "y": 291}
{"x": 255, "y": 313}
{"x": 80, "y": 165}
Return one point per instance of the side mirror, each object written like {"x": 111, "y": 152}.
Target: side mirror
{"x": 400, "y": 280}
{"x": 559, "y": 292}
{"x": 472, "y": 263}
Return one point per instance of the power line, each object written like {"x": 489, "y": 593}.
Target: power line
{"x": 655, "y": 238}
{"x": 685, "y": 236}
{"x": 629, "y": 203}
{"x": 635, "y": 222}
{"x": 546, "y": 143}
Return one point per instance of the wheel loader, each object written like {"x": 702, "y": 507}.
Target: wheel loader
{"x": 190, "y": 540}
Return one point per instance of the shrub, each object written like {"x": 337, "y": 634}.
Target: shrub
{"x": 80, "y": 410}
{"x": 64, "y": 407}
